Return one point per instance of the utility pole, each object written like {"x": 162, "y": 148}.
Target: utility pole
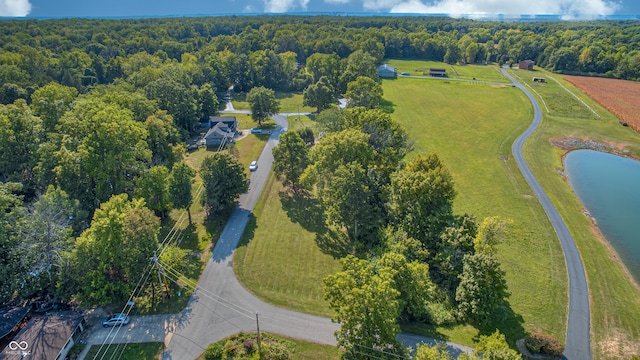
{"x": 258, "y": 327}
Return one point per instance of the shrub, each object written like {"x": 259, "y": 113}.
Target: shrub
{"x": 541, "y": 343}
{"x": 214, "y": 351}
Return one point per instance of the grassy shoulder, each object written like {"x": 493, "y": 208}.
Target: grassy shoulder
{"x": 615, "y": 299}
{"x": 134, "y": 351}
{"x": 280, "y": 257}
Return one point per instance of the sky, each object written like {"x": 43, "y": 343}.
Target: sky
{"x": 125, "y": 8}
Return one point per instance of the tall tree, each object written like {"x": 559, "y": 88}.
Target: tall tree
{"x": 51, "y": 101}
{"x": 11, "y": 269}
{"x": 163, "y": 139}
{"x": 290, "y": 158}
{"x": 365, "y": 92}
{"x": 180, "y": 183}
{"x": 153, "y": 187}
{"x": 110, "y": 257}
{"x": 319, "y": 95}
{"x": 263, "y": 103}
{"x": 224, "y": 180}
{"x": 482, "y": 288}
{"x": 366, "y": 306}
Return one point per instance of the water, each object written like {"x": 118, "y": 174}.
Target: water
{"x": 609, "y": 187}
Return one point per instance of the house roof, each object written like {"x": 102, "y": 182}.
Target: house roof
{"x": 218, "y": 131}
{"x": 438, "y": 70}
{"x": 44, "y": 336}
{"x": 386, "y": 67}
{"x": 217, "y": 119}
{"x": 10, "y": 317}
{"x": 528, "y": 62}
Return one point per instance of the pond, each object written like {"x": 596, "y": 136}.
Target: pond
{"x": 609, "y": 187}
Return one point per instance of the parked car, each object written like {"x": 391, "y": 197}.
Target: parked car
{"x": 404, "y": 74}
{"x": 253, "y": 166}
{"x": 256, "y": 131}
{"x": 115, "y": 320}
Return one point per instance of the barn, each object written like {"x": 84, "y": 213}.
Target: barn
{"x": 438, "y": 72}
{"x": 526, "y": 64}
{"x": 387, "y": 71}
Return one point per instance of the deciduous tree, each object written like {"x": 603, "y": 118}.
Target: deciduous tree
{"x": 363, "y": 91}
{"x": 180, "y": 183}
{"x": 153, "y": 187}
{"x": 290, "y": 158}
{"x": 263, "y": 103}
{"x": 224, "y": 180}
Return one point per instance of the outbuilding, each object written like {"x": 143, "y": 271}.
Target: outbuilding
{"x": 387, "y": 71}
{"x": 526, "y": 64}
{"x": 438, "y": 72}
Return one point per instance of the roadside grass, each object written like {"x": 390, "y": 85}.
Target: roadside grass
{"x": 615, "y": 298}
{"x": 300, "y": 122}
{"x": 471, "y": 127}
{"x": 279, "y": 257}
{"x": 199, "y": 238}
{"x": 133, "y": 351}
{"x": 558, "y": 100}
{"x": 303, "y": 350}
{"x": 468, "y": 72}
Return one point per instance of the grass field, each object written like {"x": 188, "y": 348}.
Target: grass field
{"x": 471, "y": 127}
{"x": 289, "y": 102}
{"x": 615, "y": 300}
{"x": 137, "y": 351}
{"x": 279, "y": 258}
{"x": 466, "y": 72}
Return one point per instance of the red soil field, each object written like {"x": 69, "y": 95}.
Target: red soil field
{"x": 621, "y": 97}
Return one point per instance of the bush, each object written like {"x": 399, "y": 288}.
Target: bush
{"x": 214, "y": 351}
{"x": 545, "y": 344}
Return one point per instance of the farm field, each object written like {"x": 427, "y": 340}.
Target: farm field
{"x": 621, "y": 97}
{"x": 615, "y": 299}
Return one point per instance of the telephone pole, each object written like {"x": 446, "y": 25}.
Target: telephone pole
{"x": 258, "y": 327}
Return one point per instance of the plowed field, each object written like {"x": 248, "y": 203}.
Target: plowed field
{"x": 621, "y": 97}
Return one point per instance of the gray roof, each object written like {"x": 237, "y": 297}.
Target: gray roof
{"x": 386, "y": 67}
{"x": 10, "y": 317}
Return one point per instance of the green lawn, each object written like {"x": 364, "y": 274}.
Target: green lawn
{"x": 137, "y": 351}
{"x": 615, "y": 301}
{"x": 289, "y": 102}
{"x": 467, "y": 72}
{"x": 471, "y": 127}
{"x": 280, "y": 257}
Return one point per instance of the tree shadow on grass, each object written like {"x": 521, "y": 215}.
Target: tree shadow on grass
{"x": 387, "y": 106}
{"x": 307, "y": 211}
{"x": 507, "y": 321}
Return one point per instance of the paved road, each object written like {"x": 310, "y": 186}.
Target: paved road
{"x": 578, "y": 344}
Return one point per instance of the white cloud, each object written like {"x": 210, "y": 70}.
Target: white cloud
{"x": 570, "y": 8}
{"x": 15, "y": 7}
{"x": 280, "y": 6}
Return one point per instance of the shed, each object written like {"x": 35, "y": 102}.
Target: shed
{"x": 46, "y": 337}
{"x": 526, "y": 64}
{"x": 538, "y": 79}
{"x": 387, "y": 71}
{"x": 438, "y": 72}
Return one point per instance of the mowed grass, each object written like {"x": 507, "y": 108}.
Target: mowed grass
{"x": 467, "y": 72}
{"x": 471, "y": 127}
{"x": 278, "y": 258}
{"x": 615, "y": 299}
{"x": 135, "y": 351}
{"x": 555, "y": 100}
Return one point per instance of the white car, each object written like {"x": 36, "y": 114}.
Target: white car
{"x": 253, "y": 166}
{"x": 115, "y": 320}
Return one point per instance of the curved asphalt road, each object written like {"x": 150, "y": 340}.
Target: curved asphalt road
{"x": 578, "y": 345}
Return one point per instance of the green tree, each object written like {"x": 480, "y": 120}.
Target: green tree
{"x": 319, "y": 95}
{"x": 178, "y": 100}
{"x": 421, "y": 198}
{"x": 20, "y": 135}
{"x": 490, "y": 233}
{"x": 437, "y": 351}
{"x": 290, "y": 158}
{"x": 482, "y": 288}
{"x": 180, "y": 184}
{"x": 359, "y": 63}
{"x": 263, "y": 103}
{"x": 364, "y": 92}
{"x": 153, "y": 187}
{"x": 495, "y": 347}
{"x": 224, "y": 180}
{"x": 51, "y": 101}
{"x": 366, "y": 306}
{"x": 11, "y": 268}
{"x": 328, "y": 65}
{"x": 208, "y": 101}
{"x": 351, "y": 201}
{"x": 163, "y": 139}
{"x": 111, "y": 255}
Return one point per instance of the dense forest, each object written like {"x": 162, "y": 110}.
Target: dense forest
{"x": 95, "y": 113}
